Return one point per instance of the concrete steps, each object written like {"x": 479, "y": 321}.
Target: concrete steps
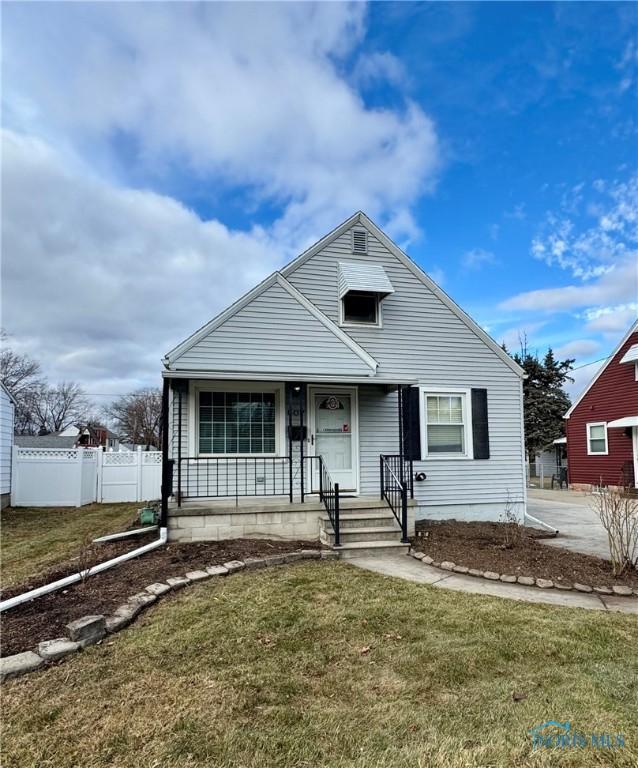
{"x": 364, "y": 531}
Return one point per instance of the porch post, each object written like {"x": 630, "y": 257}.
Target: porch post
{"x": 165, "y": 467}
{"x": 302, "y": 407}
{"x": 401, "y": 435}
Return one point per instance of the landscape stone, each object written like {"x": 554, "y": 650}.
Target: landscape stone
{"x": 278, "y": 559}
{"x": 475, "y": 572}
{"x": 197, "y": 575}
{"x": 254, "y": 562}
{"x": 461, "y": 569}
{"x": 428, "y": 560}
{"x": 158, "y": 588}
{"x": 527, "y": 581}
{"x": 19, "y": 664}
{"x": 329, "y": 554}
{"x": 217, "y": 570}
{"x": 311, "y": 554}
{"x": 603, "y": 590}
{"x": 447, "y": 565}
{"x": 582, "y": 587}
{"x": 564, "y": 585}
{"x": 291, "y": 557}
{"x": 435, "y": 564}
{"x": 142, "y": 599}
{"x": 177, "y": 582}
{"x": 621, "y": 589}
{"x": 52, "y": 650}
{"x": 234, "y": 565}
{"x": 417, "y": 555}
{"x": 120, "y": 619}
{"x": 87, "y": 630}
{"x": 507, "y": 578}
{"x": 544, "y": 583}
{"x": 492, "y": 575}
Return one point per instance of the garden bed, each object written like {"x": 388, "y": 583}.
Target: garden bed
{"x": 45, "y": 617}
{"x": 516, "y": 550}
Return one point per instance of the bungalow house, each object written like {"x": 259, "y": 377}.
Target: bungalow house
{"x": 343, "y": 396}
{"x": 602, "y": 424}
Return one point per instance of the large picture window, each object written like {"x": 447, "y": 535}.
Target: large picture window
{"x": 445, "y": 424}
{"x": 236, "y": 422}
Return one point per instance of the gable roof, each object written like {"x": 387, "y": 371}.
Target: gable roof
{"x": 633, "y": 328}
{"x": 45, "y": 441}
{"x": 360, "y": 219}
{"x": 275, "y": 279}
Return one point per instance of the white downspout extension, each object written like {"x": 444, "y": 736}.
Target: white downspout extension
{"x": 74, "y": 578}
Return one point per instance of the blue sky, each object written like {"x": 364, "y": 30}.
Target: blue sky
{"x": 188, "y": 150}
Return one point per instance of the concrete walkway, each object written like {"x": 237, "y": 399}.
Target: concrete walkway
{"x": 570, "y": 512}
{"x": 405, "y": 567}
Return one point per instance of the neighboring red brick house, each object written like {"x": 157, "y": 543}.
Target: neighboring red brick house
{"x": 602, "y": 425}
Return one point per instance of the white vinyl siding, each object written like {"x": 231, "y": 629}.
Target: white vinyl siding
{"x": 6, "y": 441}
{"x": 597, "y": 439}
{"x": 422, "y": 339}
{"x": 273, "y": 334}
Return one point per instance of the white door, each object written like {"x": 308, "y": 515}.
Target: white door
{"x": 333, "y": 434}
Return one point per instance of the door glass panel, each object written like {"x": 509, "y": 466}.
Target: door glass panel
{"x": 334, "y": 430}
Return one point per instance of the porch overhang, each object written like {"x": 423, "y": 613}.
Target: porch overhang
{"x": 305, "y": 377}
{"x": 626, "y": 421}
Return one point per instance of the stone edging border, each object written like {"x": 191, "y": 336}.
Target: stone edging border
{"x": 90, "y": 630}
{"x": 620, "y": 590}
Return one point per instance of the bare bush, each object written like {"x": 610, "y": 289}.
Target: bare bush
{"x": 512, "y": 528}
{"x": 617, "y": 510}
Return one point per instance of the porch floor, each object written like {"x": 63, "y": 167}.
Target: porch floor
{"x": 223, "y": 506}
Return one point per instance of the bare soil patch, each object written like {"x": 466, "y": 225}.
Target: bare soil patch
{"x": 508, "y": 548}
{"x": 44, "y": 618}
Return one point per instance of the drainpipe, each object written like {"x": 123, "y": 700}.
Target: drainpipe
{"x": 75, "y": 577}
{"x": 165, "y": 467}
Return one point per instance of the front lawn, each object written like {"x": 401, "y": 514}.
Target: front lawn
{"x": 35, "y": 538}
{"x": 321, "y": 664}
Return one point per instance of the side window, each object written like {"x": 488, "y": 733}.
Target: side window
{"x": 597, "y": 438}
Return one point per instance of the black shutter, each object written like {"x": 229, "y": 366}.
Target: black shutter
{"x": 410, "y": 423}
{"x": 480, "y": 427}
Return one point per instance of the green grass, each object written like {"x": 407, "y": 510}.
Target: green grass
{"x": 34, "y": 539}
{"x": 270, "y": 668}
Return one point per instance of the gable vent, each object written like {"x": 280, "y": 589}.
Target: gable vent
{"x": 359, "y": 241}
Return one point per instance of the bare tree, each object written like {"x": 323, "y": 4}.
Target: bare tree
{"x": 55, "y": 408}
{"x": 23, "y": 378}
{"x": 136, "y": 417}
{"x": 617, "y": 510}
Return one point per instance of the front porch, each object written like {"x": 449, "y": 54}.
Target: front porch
{"x": 365, "y": 524}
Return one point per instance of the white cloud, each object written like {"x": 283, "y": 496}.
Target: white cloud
{"x": 578, "y": 348}
{"x": 477, "y": 258}
{"x": 611, "y": 320}
{"x": 379, "y": 66}
{"x": 99, "y": 282}
{"x": 243, "y": 94}
{"x": 618, "y": 285}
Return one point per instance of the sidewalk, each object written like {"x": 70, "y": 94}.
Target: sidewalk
{"x": 405, "y": 567}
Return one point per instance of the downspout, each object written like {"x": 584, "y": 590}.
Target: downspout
{"x": 81, "y": 575}
{"x": 165, "y": 467}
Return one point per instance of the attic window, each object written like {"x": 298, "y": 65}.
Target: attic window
{"x": 359, "y": 241}
{"x": 360, "y": 307}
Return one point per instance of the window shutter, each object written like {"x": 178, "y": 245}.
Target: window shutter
{"x": 411, "y": 424}
{"x": 480, "y": 427}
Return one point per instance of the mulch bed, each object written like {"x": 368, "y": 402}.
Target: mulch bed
{"x": 508, "y": 548}
{"x": 45, "y": 618}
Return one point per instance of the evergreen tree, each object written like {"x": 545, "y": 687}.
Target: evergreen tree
{"x": 545, "y": 401}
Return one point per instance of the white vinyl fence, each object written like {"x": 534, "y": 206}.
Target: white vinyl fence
{"x": 48, "y": 477}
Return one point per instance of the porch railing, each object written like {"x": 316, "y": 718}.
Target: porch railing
{"x": 233, "y": 476}
{"x": 327, "y": 489}
{"x": 394, "y": 489}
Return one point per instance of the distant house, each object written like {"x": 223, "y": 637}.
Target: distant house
{"x": 7, "y": 415}
{"x": 602, "y": 425}
{"x": 54, "y": 440}
{"x": 88, "y": 436}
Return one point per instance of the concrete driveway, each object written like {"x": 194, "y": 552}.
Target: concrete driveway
{"x": 569, "y": 511}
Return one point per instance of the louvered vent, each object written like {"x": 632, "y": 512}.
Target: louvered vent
{"x": 359, "y": 241}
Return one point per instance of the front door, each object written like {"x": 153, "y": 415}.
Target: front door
{"x": 333, "y": 434}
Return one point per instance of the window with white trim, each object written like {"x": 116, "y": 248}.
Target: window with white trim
{"x": 446, "y": 422}
{"x": 236, "y": 422}
{"x": 597, "y": 438}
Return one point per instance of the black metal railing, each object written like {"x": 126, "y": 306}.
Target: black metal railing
{"x": 233, "y": 476}
{"x": 395, "y": 488}
{"x": 322, "y": 483}
{"x": 404, "y": 470}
